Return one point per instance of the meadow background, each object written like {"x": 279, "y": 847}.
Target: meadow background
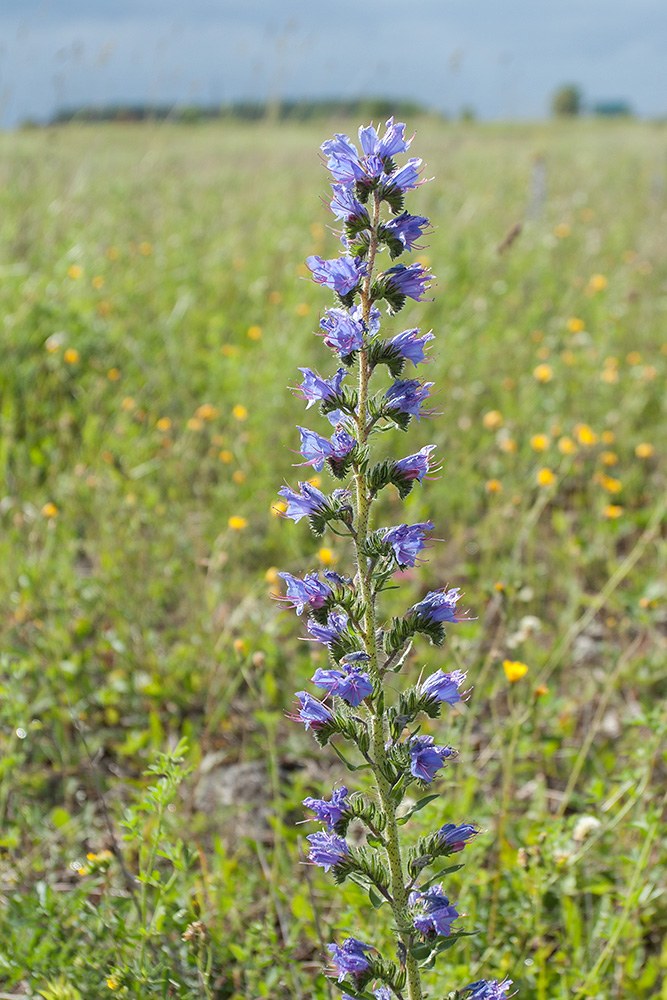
{"x": 153, "y": 311}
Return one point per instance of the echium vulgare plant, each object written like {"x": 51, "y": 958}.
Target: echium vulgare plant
{"x": 343, "y": 614}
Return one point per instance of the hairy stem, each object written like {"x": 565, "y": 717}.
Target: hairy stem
{"x": 399, "y": 889}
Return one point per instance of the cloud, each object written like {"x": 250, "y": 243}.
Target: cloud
{"x": 504, "y": 59}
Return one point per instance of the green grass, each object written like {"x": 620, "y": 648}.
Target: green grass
{"x": 136, "y": 614}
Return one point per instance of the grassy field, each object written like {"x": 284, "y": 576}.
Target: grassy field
{"x": 153, "y": 312}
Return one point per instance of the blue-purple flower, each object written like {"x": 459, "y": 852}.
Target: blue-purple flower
{"x": 487, "y": 989}
{"x": 341, "y": 275}
{"x": 410, "y": 346}
{"x": 408, "y": 395}
{"x": 407, "y": 228}
{"x": 309, "y": 500}
{"x": 352, "y": 683}
{"x": 326, "y": 849}
{"x": 391, "y": 143}
{"x": 426, "y": 758}
{"x": 415, "y": 466}
{"x": 407, "y": 176}
{"x": 440, "y": 606}
{"x": 443, "y": 686}
{"x": 345, "y": 206}
{"x": 343, "y": 332}
{"x": 317, "y": 449}
{"x": 407, "y": 541}
{"x": 316, "y": 389}
{"x": 347, "y": 166}
{"x": 433, "y": 913}
{"x": 411, "y": 280}
{"x": 343, "y": 159}
{"x": 300, "y": 592}
{"x": 334, "y": 628}
{"x": 456, "y": 836}
{"x": 374, "y": 319}
{"x": 312, "y": 712}
{"x": 349, "y": 958}
{"x": 329, "y": 811}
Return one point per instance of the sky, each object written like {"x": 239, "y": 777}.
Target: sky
{"x": 503, "y": 58}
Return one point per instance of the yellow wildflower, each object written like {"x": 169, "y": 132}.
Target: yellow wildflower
{"x": 71, "y": 356}
{"x": 326, "y": 556}
{"x": 575, "y": 324}
{"x": 98, "y": 281}
{"x": 545, "y": 477}
{"x": 195, "y": 424}
{"x": 609, "y": 458}
{"x": 494, "y": 486}
{"x": 540, "y": 442}
{"x": 566, "y": 446}
{"x": 612, "y": 511}
{"x": 230, "y": 351}
{"x": 225, "y": 456}
{"x": 254, "y": 333}
{"x": 585, "y": 435}
{"x": 271, "y": 574}
{"x": 302, "y": 309}
{"x": 644, "y": 450}
{"x": 237, "y": 523}
{"x": 492, "y": 420}
{"x": 544, "y": 373}
{"x": 508, "y": 445}
{"x": 597, "y": 282}
{"x": 163, "y": 424}
{"x": 514, "y": 670}
{"x": 238, "y": 476}
{"x": 113, "y": 374}
{"x": 74, "y": 271}
{"x": 610, "y": 484}
{"x": 49, "y": 509}
{"x": 633, "y": 358}
{"x": 239, "y": 412}
{"x": 562, "y": 230}
{"x": 207, "y": 411}
{"x": 128, "y": 403}
{"x": 279, "y": 508}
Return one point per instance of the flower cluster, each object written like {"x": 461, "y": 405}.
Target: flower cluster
{"x": 368, "y": 192}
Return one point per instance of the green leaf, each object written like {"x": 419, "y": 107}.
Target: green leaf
{"x": 376, "y": 899}
{"x": 416, "y": 808}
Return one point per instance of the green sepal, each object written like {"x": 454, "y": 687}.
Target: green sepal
{"x": 381, "y": 352}
{"x": 435, "y": 631}
{"x": 400, "y": 632}
{"x": 365, "y": 810}
{"x": 364, "y": 867}
{"x": 427, "y": 850}
{"x": 393, "y": 244}
{"x": 345, "y": 401}
{"x": 340, "y": 467}
{"x": 347, "y": 300}
{"x": 358, "y": 245}
{"x": 380, "y": 476}
{"x": 382, "y": 289}
{"x": 410, "y": 704}
{"x": 393, "y": 196}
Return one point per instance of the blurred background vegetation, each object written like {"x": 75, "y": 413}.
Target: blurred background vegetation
{"x": 154, "y": 312}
